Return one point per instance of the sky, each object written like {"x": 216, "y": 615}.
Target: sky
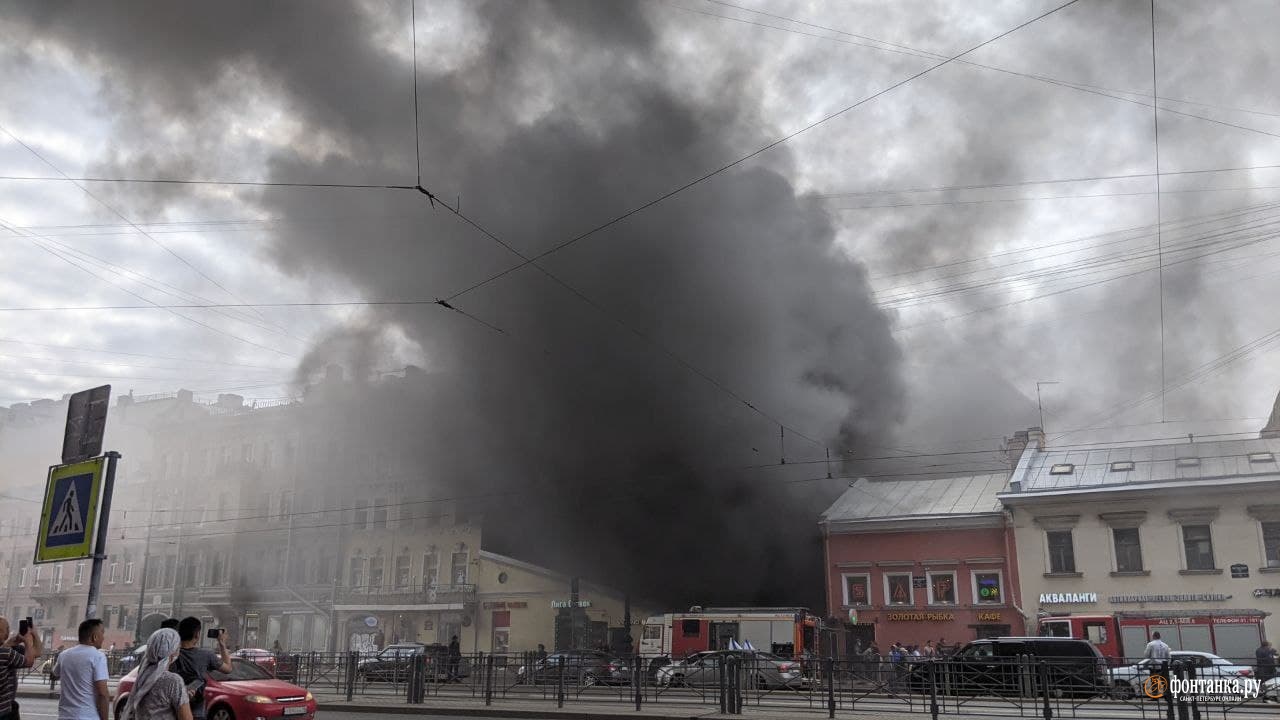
{"x": 770, "y": 229}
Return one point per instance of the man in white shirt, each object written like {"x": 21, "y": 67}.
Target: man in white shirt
{"x": 1157, "y": 649}
{"x": 83, "y": 672}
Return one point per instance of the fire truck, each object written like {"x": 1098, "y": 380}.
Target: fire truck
{"x": 1232, "y": 634}
{"x": 790, "y": 632}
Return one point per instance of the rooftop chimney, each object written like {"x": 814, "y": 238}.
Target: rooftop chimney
{"x": 1035, "y": 436}
{"x": 1013, "y": 449}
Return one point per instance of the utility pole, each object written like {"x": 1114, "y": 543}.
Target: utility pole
{"x": 1039, "y": 404}
{"x": 142, "y": 594}
{"x": 100, "y": 546}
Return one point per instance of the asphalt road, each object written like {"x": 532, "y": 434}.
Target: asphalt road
{"x": 48, "y": 710}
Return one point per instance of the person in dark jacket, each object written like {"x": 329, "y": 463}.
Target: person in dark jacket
{"x": 1266, "y": 661}
{"x": 455, "y": 659}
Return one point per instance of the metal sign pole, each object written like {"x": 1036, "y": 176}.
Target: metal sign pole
{"x": 100, "y": 546}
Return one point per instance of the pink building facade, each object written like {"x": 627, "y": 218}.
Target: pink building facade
{"x": 918, "y": 561}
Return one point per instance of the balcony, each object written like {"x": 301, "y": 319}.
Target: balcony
{"x": 48, "y": 591}
{"x": 413, "y": 594}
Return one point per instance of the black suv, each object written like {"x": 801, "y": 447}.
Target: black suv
{"x": 1012, "y": 666}
{"x": 395, "y": 662}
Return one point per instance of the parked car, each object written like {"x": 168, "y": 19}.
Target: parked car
{"x": 131, "y": 659}
{"x": 581, "y": 667}
{"x": 1271, "y": 690}
{"x": 282, "y": 666}
{"x": 762, "y": 670}
{"x": 1206, "y": 665}
{"x": 1010, "y": 666}
{"x": 247, "y": 692}
{"x": 394, "y": 663}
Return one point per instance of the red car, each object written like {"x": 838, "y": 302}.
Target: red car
{"x": 264, "y": 657}
{"x": 247, "y": 693}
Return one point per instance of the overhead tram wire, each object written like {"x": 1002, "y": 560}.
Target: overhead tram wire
{"x": 988, "y": 201}
{"x": 1073, "y": 288}
{"x": 903, "y": 291}
{"x": 1155, "y": 121}
{"x": 171, "y": 310}
{"x": 1024, "y": 183}
{"x": 156, "y": 284}
{"x": 724, "y": 168}
{"x": 1081, "y": 87}
{"x": 1068, "y": 269}
{"x": 132, "y": 224}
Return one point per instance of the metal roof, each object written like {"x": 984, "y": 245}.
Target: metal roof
{"x": 966, "y": 495}
{"x": 1211, "y": 460}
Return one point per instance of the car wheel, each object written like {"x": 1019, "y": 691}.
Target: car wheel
{"x": 1122, "y": 690}
{"x": 676, "y": 680}
{"x": 589, "y": 679}
{"x": 222, "y": 712}
{"x": 762, "y": 683}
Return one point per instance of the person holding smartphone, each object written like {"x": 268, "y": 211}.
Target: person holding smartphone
{"x": 20, "y": 651}
{"x": 195, "y": 662}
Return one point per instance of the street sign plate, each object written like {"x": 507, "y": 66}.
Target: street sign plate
{"x": 70, "y": 511}
{"x": 86, "y": 421}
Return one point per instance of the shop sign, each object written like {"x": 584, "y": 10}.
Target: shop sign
{"x": 1244, "y": 620}
{"x": 500, "y": 605}
{"x": 1239, "y": 570}
{"x": 988, "y": 617}
{"x": 1267, "y": 592}
{"x": 919, "y": 582}
{"x": 922, "y": 617}
{"x": 561, "y": 604}
{"x": 1187, "y": 597}
{"x": 1066, "y": 598}
{"x": 371, "y": 621}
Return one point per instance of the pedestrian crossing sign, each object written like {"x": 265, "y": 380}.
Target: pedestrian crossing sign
{"x": 70, "y": 511}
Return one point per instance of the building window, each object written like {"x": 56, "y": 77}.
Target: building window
{"x": 361, "y": 512}
{"x": 22, "y": 577}
{"x": 942, "y": 588}
{"x": 36, "y": 582}
{"x": 402, "y": 572}
{"x": 323, "y": 572}
{"x": 1062, "y": 552}
{"x": 458, "y": 568}
{"x": 57, "y": 577}
{"x": 73, "y": 616}
{"x": 380, "y": 513}
{"x": 79, "y": 573}
{"x": 1198, "y": 543}
{"x": 128, "y": 573}
{"x": 1271, "y": 543}
{"x": 356, "y": 576}
{"x": 430, "y": 568}
{"x": 897, "y": 589}
{"x": 988, "y": 588}
{"x": 1128, "y": 549}
{"x": 690, "y": 628}
{"x": 857, "y": 590}
{"x": 375, "y": 572}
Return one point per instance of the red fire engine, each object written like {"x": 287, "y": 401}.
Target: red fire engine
{"x": 1125, "y": 634}
{"x": 787, "y": 632}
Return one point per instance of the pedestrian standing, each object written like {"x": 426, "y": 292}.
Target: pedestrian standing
{"x": 83, "y": 672}
{"x": 1266, "y": 661}
{"x": 19, "y": 651}
{"x": 158, "y": 693}
{"x": 455, "y": 659}
{"x": 194, "y": 662}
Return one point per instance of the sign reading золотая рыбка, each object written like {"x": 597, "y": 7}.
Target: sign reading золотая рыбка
{"x": 1068, "y": 598}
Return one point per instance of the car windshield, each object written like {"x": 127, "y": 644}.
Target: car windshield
{"x": 241, "y": 670}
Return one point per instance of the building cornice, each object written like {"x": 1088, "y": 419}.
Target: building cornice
{"x": 909, "y": 523}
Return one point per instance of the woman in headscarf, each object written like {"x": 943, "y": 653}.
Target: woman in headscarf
{"x": 158, "y": 694}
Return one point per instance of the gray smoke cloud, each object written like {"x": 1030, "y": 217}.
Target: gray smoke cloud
{"x": 586, "y": 446}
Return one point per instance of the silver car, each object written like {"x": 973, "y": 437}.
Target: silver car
{"x": 760, "y": 669}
